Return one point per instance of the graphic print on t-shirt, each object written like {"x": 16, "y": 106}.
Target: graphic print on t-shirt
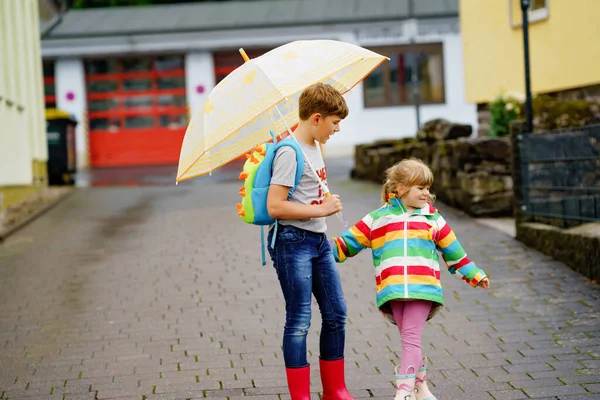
{"x": 322, "y": 173}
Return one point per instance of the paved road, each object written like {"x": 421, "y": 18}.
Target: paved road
{"x": 156, "y": 292}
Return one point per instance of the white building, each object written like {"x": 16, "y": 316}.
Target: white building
{"x": 131, "y": 73}
{"x": 23, "y": 147}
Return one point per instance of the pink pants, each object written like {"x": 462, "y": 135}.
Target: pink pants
{"x": 410, "y": 317}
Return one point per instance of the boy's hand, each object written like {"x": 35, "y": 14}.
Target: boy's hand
{"x": 484, "y": 283}
{"x": 331, "y": 205}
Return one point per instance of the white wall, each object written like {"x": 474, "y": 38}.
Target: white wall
{"x": 199, "y": 73}
{"x": 22, "y": 130}
{"x": 71, "y": 96}
{"x": 364, "y": 125}
{"x": 35, "y": 88}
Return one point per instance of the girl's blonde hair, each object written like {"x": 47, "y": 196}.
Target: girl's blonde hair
{"x": 407, "y": 173}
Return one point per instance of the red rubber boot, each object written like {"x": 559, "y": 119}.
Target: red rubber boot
{"x": 334, "y": 382}
{"x": 299, "y": 382}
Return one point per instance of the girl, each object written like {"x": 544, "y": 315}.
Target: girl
{"x": 403, "y": 235}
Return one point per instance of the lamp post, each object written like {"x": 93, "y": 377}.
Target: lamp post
{"x": 416, "y": 91}
{"x": 414, "y": 80}
{"x": 525, "y": 4}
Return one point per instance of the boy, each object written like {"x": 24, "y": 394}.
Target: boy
{"x": 302, "y": 255}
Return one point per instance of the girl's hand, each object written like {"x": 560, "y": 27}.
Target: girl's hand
{"x": 484, "y": 283}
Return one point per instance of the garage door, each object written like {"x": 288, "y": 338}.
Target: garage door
{"x": 137, "y": 110}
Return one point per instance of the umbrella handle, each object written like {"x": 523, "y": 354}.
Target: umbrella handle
{"x": 339, "y": 214}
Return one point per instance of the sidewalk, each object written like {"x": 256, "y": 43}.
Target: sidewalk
{"x": 158, "y": 293}
{"x": 504, "y": 225}
{"x": 27, "y": 203}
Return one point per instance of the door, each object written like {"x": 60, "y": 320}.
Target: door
{"x": 137, "y": 110}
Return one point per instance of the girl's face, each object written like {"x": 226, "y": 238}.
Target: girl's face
{"x": 416, "y": 197}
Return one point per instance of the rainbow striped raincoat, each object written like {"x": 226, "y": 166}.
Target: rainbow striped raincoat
{"x": 404, "y": 253}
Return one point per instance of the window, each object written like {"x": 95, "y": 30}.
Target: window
{"x": 538, "y": 11}
{"x": 101, "y": 67}
{"x": 169, "y": 63}
{"x": 391, "y": 84}
{"x": 136, "y": 65}
{"x": 102, "y": 86}
{"x": 49, "y": 84}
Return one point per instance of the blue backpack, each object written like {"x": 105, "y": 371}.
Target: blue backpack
{"x": 256, "y": 174}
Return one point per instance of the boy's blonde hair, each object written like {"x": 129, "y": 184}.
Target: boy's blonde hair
{"x": 407, "y": 173}
{"x": 324, "y": 99}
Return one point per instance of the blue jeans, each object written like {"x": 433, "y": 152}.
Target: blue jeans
{"x": 305, "y": 266}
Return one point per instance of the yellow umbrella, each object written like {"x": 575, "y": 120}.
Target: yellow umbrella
{"x": 262, "y": 95}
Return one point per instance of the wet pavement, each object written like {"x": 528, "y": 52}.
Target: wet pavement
{"x": 156, "y": 175}
{"x": 147, "y": 290}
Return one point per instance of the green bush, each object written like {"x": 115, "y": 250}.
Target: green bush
{"x": 549, "y": 113}
{"x": 503, "y": 110}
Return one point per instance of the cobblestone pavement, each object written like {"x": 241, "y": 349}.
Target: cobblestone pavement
{"x": 158, "y": 293}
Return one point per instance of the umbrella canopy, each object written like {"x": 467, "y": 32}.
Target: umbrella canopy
{"x": 262, "y": 95}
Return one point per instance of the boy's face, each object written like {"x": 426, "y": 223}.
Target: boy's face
{"x": 325, "y": 127}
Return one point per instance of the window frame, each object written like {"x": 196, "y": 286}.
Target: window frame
{"x": 423, "y": 48}
{"x": 537, "y": 15}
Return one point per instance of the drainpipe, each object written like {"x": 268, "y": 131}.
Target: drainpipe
{"x": 60, "y": 7}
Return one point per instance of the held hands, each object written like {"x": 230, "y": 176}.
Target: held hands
{"x": 484, "y": 283}
{"x": 331, "y": 205}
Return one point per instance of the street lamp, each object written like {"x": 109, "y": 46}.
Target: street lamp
{"x": 525, "y": 4}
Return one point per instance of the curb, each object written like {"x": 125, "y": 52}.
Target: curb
{"x": 7, "y": 231}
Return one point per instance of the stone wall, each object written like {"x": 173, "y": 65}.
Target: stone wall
{"x": 577, "y": 247}
{"x": 471, "y": 174}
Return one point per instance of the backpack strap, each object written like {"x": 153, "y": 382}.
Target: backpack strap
{"x": 299, "y": 170}
{"x": 299, "y": 160}
{"x": 274, "y": 233}
{"x": 262, "y": 228}
{"x": 262, "y": 245}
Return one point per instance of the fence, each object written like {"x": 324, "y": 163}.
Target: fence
{"x": 560, "y": 176}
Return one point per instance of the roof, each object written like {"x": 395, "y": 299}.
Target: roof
{"x": 211, "y": 16}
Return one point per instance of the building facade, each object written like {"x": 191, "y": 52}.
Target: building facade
{"x": 563, "y": 43}
{"x": 133, "y": 75}
{"x": 23, "y": 147}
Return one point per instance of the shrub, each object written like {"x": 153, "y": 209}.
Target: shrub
{"x": 503, "y": 110}
{"x": 549, "y": 113}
